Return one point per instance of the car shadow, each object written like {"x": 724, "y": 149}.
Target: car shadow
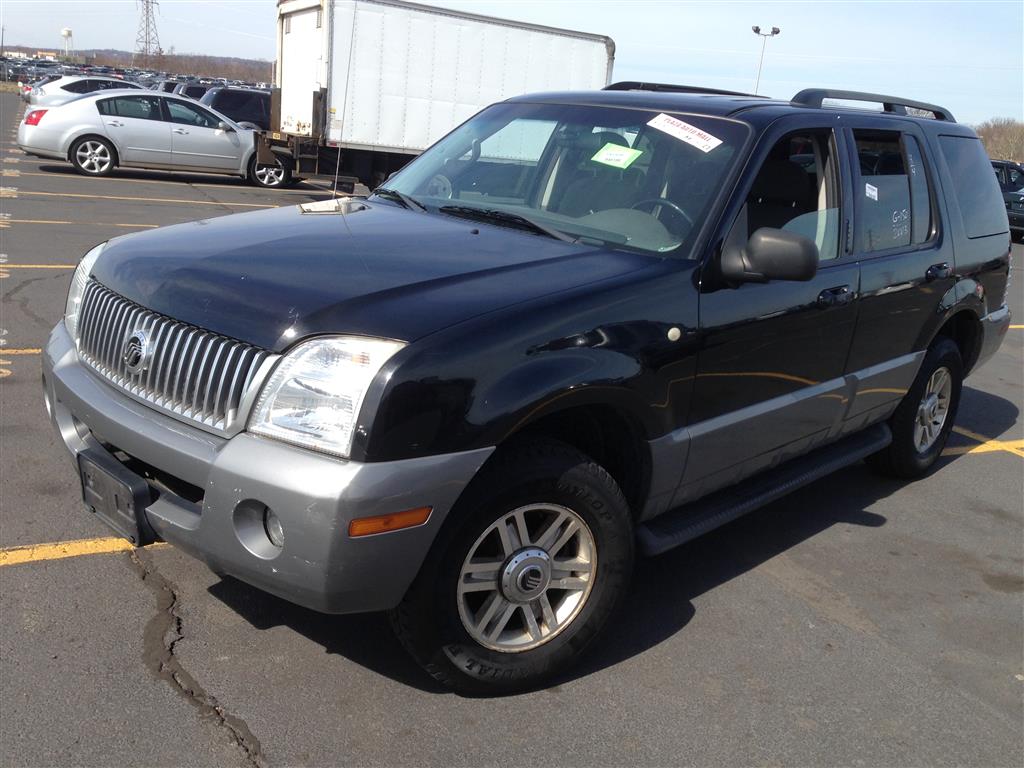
{"x": 218, "y": 180}
{"x": 664, "y": 588}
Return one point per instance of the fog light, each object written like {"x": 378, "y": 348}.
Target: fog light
{"x": 272, "y": 525}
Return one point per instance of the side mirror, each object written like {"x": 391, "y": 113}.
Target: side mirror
{"x": 225, "y": 127}
{"x": 771, "y": 254}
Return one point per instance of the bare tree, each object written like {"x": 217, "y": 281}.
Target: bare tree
{"x": 1003, "y": 138}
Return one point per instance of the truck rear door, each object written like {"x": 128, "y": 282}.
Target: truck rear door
{"x": 301, "y": 32}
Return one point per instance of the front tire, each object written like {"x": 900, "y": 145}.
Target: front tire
{"x": 269, "y": 176}
{"x": 924, "y": 418}
{"x": 534, "y": 559}
{"x": 93, "y": 156}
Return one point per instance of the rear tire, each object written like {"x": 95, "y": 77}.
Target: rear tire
{"x": 269, "y": 176}
{"x": 923, "y": 420}
{"x": 543, "y": 539}
{"x": 93, "y": 156}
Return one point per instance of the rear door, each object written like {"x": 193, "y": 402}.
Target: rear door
{"x": 906, "y": 256}
{"x": 769, "y": 382}
{"x": 197, "y": 142}
{"x": 136, "y": 126}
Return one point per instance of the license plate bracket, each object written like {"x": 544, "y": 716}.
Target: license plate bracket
{"x": 116, "y": 495}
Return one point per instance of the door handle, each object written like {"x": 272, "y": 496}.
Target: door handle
{"x": 938, "y": 272}
{"x": 115, "y": 124}
{"x": 836, "y": 297}
{"x": 181, "y": 131}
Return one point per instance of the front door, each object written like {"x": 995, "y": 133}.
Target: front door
{"x": 769, "y": 379}
{"x": 198, "y": 143}
{"x": 136, "y": 126}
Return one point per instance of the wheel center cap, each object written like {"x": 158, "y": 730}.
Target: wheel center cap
{"x": 526, "y": 575}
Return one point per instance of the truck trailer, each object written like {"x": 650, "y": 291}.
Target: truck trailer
{"x": 362, "y": 86}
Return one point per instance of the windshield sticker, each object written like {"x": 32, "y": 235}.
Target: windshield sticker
{"x": 871, "y": 191}
{"x": 691, "y": 134}
{"x": 616, "y": 155}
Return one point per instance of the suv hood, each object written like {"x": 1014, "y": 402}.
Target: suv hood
{"x": 272, "y": 277}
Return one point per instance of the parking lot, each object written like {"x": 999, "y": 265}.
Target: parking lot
{"x": 858, "y": 621}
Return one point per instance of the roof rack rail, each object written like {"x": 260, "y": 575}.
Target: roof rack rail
{"x": 813, "y": 97}
{"x": 635, "y": 85}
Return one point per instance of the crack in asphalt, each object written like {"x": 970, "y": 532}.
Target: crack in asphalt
{"x": 163, "y": 632}
{"x": 22, "y": 301}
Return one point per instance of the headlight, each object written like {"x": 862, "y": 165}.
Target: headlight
{"x": 78, "y": 283}
{"x": 315, "y": 393}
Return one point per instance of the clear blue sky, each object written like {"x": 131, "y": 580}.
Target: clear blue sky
{"x": 967, "y": 55}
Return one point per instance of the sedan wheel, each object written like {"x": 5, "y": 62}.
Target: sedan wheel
{"x": 269, "y": 175}
{"x": 93, "y": 157}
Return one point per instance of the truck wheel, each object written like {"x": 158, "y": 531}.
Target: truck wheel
{"x": 922, "y": 422}
{"x": 537, "y": 556}
{"x": 93, "y": 156}
{"x": 270, "y": 176}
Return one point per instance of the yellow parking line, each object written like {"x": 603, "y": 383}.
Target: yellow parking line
{"x": 37, "y": 266}
{"x": 1017, "y": 327}
{"x": 984, "y": 445}
{"x": 26, "y": 351}
{"x": 62, "y": 549}
{"x": 140, "y": 199}
{"x": 227, "y": 187}
{"x": 61, "y": 221}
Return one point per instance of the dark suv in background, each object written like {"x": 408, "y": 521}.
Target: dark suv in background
{"x": 1010, "y": 176}
{"x": 243, "y": 105}
{"x": 579, "y": 325}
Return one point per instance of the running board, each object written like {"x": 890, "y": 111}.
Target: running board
{"x": 686, "y": 523}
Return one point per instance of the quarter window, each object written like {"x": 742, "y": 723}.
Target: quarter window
{"x": 975, "y": 187}
{"x": 895, "y": 198}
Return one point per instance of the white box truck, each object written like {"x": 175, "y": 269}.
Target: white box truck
{"x": 361, "y": 86}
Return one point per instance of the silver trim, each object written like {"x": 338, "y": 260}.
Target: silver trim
{"x": 188, "y": 370}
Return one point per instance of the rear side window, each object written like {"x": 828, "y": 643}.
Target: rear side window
{"x": 140, "y": 107}
{"x": 895, "y": 199}
{"x": 975, "y": 186}
{"x": 78, "y": 86}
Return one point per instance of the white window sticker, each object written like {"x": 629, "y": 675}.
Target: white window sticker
{"x": 871, "y": 191}
{"x": 616, "y": 155}
{"x": 691, "y": 134}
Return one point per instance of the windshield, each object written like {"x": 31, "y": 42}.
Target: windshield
{"x": 623, "y": 177}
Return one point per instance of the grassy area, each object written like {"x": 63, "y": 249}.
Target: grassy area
{"x": 8, "y": 87}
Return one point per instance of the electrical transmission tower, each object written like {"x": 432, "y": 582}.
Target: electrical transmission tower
{"x": 147, "y": 41}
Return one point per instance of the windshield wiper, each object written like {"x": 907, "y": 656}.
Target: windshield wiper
{"x": 406, "y": 201}
{"x": 506, "y": 218}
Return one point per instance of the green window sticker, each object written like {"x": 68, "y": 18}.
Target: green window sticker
{"x": 616, "y": 155}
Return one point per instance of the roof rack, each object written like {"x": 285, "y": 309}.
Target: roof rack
{"x": 813, "y": 97}
{"x": 635, "y": 85}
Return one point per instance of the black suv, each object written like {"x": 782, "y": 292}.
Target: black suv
{"x": 580, "y": 325}
{"x": 1010, "y": 176}
{"x": 246, "y": 106}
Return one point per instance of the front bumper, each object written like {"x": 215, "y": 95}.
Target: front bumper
{"x": 315, "y": 496}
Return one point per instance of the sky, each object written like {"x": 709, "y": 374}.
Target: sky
{"x": 967, "y": 56}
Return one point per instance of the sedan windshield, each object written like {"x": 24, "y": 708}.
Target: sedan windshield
{"x": 623, "y": 177}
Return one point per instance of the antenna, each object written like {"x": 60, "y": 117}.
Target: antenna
{"x": 147, "y": 40}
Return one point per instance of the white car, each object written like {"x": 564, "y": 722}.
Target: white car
{"x": 68, "y": 87}
{"x": 100, "y": 131}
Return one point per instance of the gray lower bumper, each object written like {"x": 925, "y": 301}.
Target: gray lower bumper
{"x": 315, "y": 496}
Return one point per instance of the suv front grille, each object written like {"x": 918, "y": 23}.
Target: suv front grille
{"x": 192, "y": 373}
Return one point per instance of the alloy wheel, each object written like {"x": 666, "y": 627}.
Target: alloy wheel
{"x": 527, "y": 577}
{"x": 93, "y": 157}
{"x": 933, "y": 409}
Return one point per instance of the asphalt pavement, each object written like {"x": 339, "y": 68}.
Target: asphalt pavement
{"x": 859, "y": 621}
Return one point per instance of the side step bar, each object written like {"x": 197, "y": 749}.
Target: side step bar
{"x": 686, "y": 523}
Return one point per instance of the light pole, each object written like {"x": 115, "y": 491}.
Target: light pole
{"x": 764, "y": 41}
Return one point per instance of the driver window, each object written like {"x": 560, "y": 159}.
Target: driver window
{"x": 186, "y": 114}
{"x": 797, "y": 190}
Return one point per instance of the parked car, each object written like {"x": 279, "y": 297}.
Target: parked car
{"x": 67, "y": 87}
{"x": 579, "y": 325}
{"x": 245, "y": 106}
{"x": 144, "y": 129}
{"x": 191, "y": 89}
{"x": 167, "y": 86}
{"x": 27, "y": 87}
{"x": 1011, "y": 181}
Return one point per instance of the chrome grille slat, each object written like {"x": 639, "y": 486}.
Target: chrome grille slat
{"x": 189, "y": 371}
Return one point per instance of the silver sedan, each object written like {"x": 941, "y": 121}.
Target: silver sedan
{"x": 100, "y": 131}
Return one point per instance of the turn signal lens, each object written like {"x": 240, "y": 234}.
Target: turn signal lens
{"x": 367, "y": 526}
{"x": 33, "y": 117}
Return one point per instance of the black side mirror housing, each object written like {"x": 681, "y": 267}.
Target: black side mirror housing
{"x": 771, "y": 254}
